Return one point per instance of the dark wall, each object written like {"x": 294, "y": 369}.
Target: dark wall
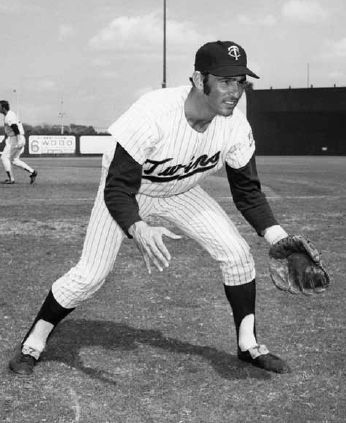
{"x": 298, "y": 121}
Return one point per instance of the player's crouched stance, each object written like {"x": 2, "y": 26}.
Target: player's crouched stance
{"x": 166, "y": 142}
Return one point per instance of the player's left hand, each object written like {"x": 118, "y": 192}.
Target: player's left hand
{"x": 150, "y": 243}
{"x": 296, "y": 266}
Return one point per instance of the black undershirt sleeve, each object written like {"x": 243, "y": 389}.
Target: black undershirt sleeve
{"x": 15, "y": 128}
{"x": 122, "y": 184}
{"x": 248, "y": 197}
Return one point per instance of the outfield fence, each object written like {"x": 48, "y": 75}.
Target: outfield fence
{"x": 65, "y": 145}
{"x": 95, "y": 145}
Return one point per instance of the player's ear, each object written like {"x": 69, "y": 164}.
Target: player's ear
{"x": 197, "y": 79}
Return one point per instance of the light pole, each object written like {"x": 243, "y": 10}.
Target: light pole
{"x": 61, "y": 116}
{"x": 164, "y": 83}
{"x": 15, "y": 92}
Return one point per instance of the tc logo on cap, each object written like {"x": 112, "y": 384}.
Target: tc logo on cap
{"x": 233, "y": 51}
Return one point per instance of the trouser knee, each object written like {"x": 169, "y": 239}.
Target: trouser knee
{"x": 76, "y": 286}
{"x": 16, "y": 162}
{"x": 238, "y": 269}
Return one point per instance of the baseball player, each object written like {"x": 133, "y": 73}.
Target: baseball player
{"x": 166, "y": 144}
{"x": 15, "y": 142}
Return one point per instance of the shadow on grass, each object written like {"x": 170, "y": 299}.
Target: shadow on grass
{"x": 71, "y": 336}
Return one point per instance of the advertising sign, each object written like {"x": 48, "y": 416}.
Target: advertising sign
{"x": 95, "y": 144}
{"x": 52, "y": 144}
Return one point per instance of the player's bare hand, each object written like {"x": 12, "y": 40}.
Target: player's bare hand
{"x": 150, "y": 243}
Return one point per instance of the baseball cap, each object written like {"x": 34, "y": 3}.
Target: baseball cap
{"x": 222, "y": 58}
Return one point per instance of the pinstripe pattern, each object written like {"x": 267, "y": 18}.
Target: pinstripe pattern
{"x": 155, "y": 130}
{"x": 101, "y": 246}
{"x": 194, "y": 212}
{"x": 202, "y": 219}
{"x": 175, "y": 159}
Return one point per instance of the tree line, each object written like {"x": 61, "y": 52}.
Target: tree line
{"x": 47, "y": 129}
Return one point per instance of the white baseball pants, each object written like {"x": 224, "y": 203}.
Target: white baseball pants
{"x": 193, "y": 212}
{"x": 12, "y": 152}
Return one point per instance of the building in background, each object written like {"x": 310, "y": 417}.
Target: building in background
{"x": 301, "y": 121}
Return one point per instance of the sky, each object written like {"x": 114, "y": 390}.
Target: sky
{"x": 86, "y": 61}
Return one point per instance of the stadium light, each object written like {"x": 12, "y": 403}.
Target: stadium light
{"x": 61, "y": 116}
{"x": 164, "y": 82}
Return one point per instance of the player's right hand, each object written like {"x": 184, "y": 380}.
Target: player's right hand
{"x": 150, "y": 243}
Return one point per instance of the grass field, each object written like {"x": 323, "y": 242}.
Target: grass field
{"x": 161, "y": 348}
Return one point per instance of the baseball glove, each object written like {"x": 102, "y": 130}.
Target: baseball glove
{"x": 295, "y": 266}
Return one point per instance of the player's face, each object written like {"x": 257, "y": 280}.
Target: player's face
{"x": 225, "y": 93}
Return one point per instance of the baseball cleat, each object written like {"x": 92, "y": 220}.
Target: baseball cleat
{"x": 8, "y": 181}
{"x": 33, "y": 177}
{"x": 259, "y": 356}
{"x": 22, "y": 364}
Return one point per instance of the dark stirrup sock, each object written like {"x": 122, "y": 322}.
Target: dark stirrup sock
{"x": 242, "y": 299}
{"x": 51, "y": 311}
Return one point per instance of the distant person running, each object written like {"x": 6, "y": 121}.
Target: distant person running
{"x": 15, "y": 141}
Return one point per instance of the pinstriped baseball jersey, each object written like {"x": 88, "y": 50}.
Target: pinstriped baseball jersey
{"x": 174, "y": 156}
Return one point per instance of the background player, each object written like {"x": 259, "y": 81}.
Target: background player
{"x": 15, "y": 142}
{"x": 167, "y": 143}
